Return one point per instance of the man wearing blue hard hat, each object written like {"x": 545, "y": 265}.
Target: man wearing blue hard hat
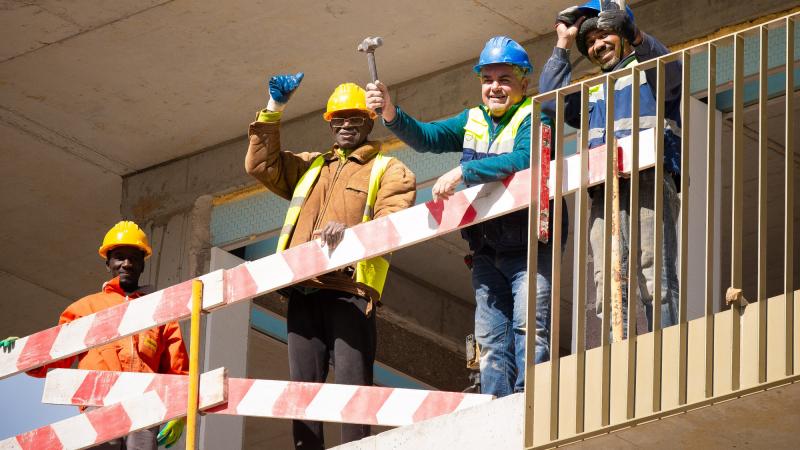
{"x": 494, "y": 139}
{"x": 610, "y": 39}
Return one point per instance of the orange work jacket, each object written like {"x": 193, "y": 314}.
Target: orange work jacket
{"x": 157, "y": 350}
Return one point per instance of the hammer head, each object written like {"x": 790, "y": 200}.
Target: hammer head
{"x": 369, "y": 44}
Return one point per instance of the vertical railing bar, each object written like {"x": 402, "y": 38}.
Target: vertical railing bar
{"x": 737, "y": 212}
{"x": 605, "y": 395}
{"x": 658, "y": 233}
{"x": 533, "y": 248}
{"x": 762, "y": 203}
{"x": 788, "y": 261}
{"x": 686, "y": 93}
{"x": 582, "y": 211}
{"x": 633, "y": 245}
{"x": 555, "y": 300}
{"x": 710, "y": 206}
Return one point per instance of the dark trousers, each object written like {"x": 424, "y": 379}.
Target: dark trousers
{"x": 138, "y": 440}
{"x": 329, "y": 326}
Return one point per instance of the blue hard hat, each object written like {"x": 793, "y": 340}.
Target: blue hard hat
{"x": 503, "y": 50}
{"x": 593, "y": 8}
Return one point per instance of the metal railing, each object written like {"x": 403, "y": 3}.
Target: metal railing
{"x": 698, "y": 362}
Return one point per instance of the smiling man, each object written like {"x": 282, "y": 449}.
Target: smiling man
{"x": 494, "y": 140}
{"x": 331, "y": 317}
{"x": 610, "y": 39}
{"x": 158, "y": 350}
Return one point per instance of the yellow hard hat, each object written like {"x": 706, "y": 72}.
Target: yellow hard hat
{"x": 125, "y": 233}
{"x": 347, "y": 96}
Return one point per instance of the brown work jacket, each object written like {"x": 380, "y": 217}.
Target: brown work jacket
{"x": 339, "y": 195}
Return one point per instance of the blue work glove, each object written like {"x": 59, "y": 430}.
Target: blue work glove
{"x": 617, "y": 20}
{"x": 171, "y": 432}
{"x": 281, "y": 88}
{"x": 7, "y": 344}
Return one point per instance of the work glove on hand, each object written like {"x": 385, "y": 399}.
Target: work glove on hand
{"x": 281, "y": 88}
{"x": 569, "y": 16}
{"x": 617, "y": 20}
{"x": 171, "y": 432}
{"x": 7, "y": 344}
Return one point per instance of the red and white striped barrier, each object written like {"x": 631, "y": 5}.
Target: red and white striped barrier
{"x": 163, "y": 401}
{"x": 368, "y": 405}
{"x": 166, "y": 305}
{"x": 377, "y": 237}
{"x": 265, "y": 398}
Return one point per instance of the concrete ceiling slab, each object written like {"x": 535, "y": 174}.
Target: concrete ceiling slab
{"x": 145, "y": 84}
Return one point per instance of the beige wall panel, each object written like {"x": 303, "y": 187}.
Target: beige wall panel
{"x": 567, "y": 392}
{"x": 696, "y": 361}
{"x": 156, "y": 236}
{"x": 541, "y": 409}
{"x": 670, "y": 353}
{"x": 749, "y": 348}
{"x": 776, "y": 339}
{"x": 644, "y": 375}
{"x": 594, "y": 365}
{"x": 722, "y": 352}
{"x": 796, "y": 330}
{"x": 171, "y": 257}
{"x": 619, "y": 381}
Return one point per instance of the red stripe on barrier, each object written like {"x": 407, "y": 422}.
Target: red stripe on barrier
{"x": 304, "y": 260}
{"x": 365, "y": 403}
{"x": 436, "y": 404}
{"x": 237, "y": 389}
{"x": 40, "y": 438}
{"x": 106, "y": 324}
{"x": 168, "y": 388}
{"x": 295, "y": 399}
{"x": 109, "y": 422}
{"x": 174, "y": 303}
{"x": 239, "y": 283}
{"x": 381, "y": 236}
{"x": 95, "y": 386}
{"x": 37, "y": 348}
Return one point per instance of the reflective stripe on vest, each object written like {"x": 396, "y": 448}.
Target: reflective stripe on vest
{"x": 372, "y": 271}
{"x": 623, "y": 125}
{"x": 476, "y": 131}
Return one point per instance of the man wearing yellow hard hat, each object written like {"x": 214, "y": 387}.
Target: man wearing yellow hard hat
{"x": 331, "y": 316}
{"x": 158, "y": 350}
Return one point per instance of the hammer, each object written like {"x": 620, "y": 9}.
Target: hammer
{"x": 368, "y": 46}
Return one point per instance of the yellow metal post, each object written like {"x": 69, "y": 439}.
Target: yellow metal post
{"x": 194, "y": 366}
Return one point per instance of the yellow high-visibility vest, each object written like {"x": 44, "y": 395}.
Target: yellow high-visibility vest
{"x": 371, "y": 271}
{"x": 476, "y": 131}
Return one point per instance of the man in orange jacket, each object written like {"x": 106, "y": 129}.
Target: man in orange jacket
{"x": 157, "y": 350}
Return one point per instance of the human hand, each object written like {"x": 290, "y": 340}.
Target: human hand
{"x": 445, "y": 186}
{"x": 7, "y": 344}
{"x": 281, "y": 88}
{"x": 171, "y": 432}
{"x": 568, "y": 23}
{"x": 378, "y": 97}
{"x": 617, "y": 20}
{"x": 330, "y": 235}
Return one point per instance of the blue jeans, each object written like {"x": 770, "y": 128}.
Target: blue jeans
{"x": 501, "y": 289}
{"x": 645, "y": 272}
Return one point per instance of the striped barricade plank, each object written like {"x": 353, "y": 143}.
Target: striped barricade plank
{"x": 383, "y": 235}
{"x": 265, "y": 398}
{"x": 164, "y": 401}
{"x": 327, "y": 402}
{"x": 167, "y": 305}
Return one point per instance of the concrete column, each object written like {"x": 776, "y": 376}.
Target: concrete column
{"x": 225, "y": 345}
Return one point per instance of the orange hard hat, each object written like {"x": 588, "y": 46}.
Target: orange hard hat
{"x": 347, "y": 96}
{"x": 125, "y": 233}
